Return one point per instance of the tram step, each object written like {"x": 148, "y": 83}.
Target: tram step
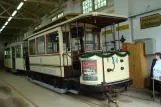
{"x": 62, "y": 91}
{"x": 73, "y": 91}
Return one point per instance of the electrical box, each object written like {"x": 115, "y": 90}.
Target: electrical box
{"x": 150, "y": 45}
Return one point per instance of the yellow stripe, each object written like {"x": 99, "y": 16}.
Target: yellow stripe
{"x": 124, "y": 27}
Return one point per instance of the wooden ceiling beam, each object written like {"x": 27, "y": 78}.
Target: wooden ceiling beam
{"x": 44, "y": 2}
{"x": 18, "y": 18}
{"x": 22, "y": 9}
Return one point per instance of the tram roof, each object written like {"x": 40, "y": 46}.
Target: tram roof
{"x": 13, "y": 45}
{"x": 59, "y": 20}
{"x": 95, "y": 18}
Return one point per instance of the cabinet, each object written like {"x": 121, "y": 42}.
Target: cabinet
{"x": 137, "y": 64}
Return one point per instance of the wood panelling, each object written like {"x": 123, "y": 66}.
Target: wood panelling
{"x": 137, "y": 64}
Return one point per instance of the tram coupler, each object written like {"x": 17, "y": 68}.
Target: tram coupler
{"x": 110, "y": 99}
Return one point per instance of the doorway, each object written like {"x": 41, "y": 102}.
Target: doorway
{"x": 13, "y": 60}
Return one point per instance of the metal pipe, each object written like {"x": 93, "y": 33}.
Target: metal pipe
{"x": 103, "y": 69}
{"x": 113, "y": 34}
{"x": 142, "y": 13}
{"x": 71, "y": 47}
{"x": 85, "y": 36}
{"x": 77, "y": 34}
{"x": 132, "y": 36}
{"x": 119, "y": 36}
{"x": 105, "y": 39}
{"x": 66, "y": 43}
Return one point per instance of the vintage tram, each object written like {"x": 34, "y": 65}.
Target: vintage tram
{"x": 70, "y": 55}
{"x": 14, "y": 57}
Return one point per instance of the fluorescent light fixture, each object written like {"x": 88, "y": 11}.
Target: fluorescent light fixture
{"x": 10, "y": 18}
{"x": 3, "y": 27}
{"x": 6, "y": 23}
{"x": 20, "y": 5}
{"x": 14, "y": 13}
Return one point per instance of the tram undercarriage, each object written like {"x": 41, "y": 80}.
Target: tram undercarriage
{"x": 72, "y": 85}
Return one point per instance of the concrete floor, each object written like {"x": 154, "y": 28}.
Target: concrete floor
{"x": 17, "y": 91}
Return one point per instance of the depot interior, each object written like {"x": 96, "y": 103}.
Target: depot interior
{"x": 139, "y": 35}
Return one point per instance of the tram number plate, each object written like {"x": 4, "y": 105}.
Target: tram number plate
{"x": 89, "y": 70}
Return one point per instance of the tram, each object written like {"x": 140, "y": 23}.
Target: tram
{"x": 14, "y": 57}
{"x": 70, "y": 55}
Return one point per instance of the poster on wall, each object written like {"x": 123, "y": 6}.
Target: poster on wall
{"x": 89, "y": 70}
{"x": 150, "y": 21}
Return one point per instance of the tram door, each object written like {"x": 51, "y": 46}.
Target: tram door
{"x": 26, "y": 58}
{"x": 13, "y": 59}
{"x": 77, "y": 47}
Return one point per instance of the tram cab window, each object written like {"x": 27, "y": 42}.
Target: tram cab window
{"x": 92, "y": 41}
{"x": 7, "y": 53}
{"x": 41, "y": 45}
{"x": 18, "y": 51}
{"x": 77, "y": 39}
{"x": 32, "y": 47}
{"x": 52, "y": 43}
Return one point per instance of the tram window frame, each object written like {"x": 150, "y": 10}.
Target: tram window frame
{"x": 32, "y": 40}
{"x": 18, "y": 55}
{"x": 47, "y": 43}
{"x": 37, "y": 45}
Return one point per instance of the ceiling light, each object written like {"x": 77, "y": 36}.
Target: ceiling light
{"x": 9, "y": 19}
{"x": 14, "y": 13}
{"x": 20, "y": 5}
{"x": 25, "y": 0}
{"x": 3, "y": 27}
{"x": 6, "y": 23}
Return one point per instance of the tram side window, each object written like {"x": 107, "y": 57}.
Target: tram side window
{"x": 53, "y": 43}
{"x": 41, "y": 45}
{"x": 32, "y": 47}
{"x": 18, "y": 51}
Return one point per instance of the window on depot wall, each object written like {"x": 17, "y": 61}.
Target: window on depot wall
{"x": 99, "y": 3}
{"x": 60, "y": 15}
{"x": 41, "y": 45}
{"x": 87, "y": 6}
{"x": 54, "y": 18}
{"x": 53, "y": 43}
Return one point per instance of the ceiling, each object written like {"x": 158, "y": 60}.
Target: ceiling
{"x": 30, "y": 13}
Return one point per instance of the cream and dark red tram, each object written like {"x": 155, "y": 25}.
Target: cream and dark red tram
{"x": 69, "y": 55}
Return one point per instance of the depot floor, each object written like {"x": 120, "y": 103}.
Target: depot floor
{"x": 18, "y": 91}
